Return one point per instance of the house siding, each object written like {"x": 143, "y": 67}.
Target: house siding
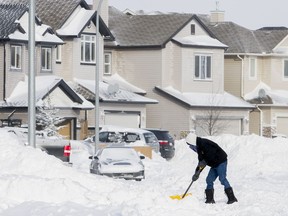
{"x": 2, "y": 63}
{"x": 189, "y": 84}
{"x": 14, "y": 76}
{"x": 277, "y": 71}
{"x": 232, "y": 76}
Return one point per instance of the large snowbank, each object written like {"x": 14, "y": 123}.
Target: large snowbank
{"x": 33, "y": 183}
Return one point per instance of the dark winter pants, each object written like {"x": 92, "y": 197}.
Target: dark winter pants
{"x": 219, "y": 171}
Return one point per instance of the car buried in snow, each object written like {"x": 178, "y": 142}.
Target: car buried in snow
{"x": 118, "y": 162}
{"x": 56, "y": 146}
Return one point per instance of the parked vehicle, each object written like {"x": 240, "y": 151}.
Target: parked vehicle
{"x": 55, "y": 146}
{"x": 118, "y": 162}
{"x": 166, "y": 141}
{"x": 114, "y": 134}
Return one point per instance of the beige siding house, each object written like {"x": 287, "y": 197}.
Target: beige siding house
{"x": 178, "y": 62}
{"x": 256, "y": 69}
{"x": 14, "y": 72}
{"x": 74, "y": 60}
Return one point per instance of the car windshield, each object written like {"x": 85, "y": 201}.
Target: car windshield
{"x": 119, "y": 154}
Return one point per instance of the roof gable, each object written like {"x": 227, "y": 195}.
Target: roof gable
{"x": 149, "y": 30}
{"x": 46, "y": 86}
{"x": 52, "y": 12}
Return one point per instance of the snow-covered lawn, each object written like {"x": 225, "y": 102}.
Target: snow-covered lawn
{"x": 35, "y": 184}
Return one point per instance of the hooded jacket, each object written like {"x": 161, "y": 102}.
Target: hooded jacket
{"x": 210, "y": 152}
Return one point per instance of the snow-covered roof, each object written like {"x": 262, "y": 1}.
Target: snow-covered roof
{"x": 44, "y": 86}
{"x": 123, "y": 84}
{"x": 199, "y": 40}
{"x": 197, "y": 99}
{"x": 112, "y": 93}
{"x": 76, "y": 23}
{"x": 264, "y": 94}
{"x": 43, "y": 33}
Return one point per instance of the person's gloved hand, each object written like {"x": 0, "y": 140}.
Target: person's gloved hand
{"x": 196, "y": 176}
{"x": 201, "y": 165}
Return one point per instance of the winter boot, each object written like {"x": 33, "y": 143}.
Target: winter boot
{"x": 230, "y": 195}
{"x": 209, "y": 196}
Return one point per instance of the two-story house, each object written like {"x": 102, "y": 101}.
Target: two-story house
{"x": 256, "y": 69}
{"x": 75, "y": 61}
{"x": 176, "y": 59}
{"x": 14, "y": 70}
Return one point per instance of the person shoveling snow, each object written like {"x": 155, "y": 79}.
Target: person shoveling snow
{"x": 211, "y": 154}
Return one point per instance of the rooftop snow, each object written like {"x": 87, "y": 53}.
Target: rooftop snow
{"x": 278, "y": 97}
{"x": 115, "y": 93}
{"x": 44, "y": 85}
{"x": 75, "y": 24}
{"x": 207, "y": 99}
{"x": 200, "y": 40}
{"x": 123, "y": 84}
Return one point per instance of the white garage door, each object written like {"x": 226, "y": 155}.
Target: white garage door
{"x": 123, "y": 119}
{"x": 227, "y": 126}
{"x": 282, "y": 125}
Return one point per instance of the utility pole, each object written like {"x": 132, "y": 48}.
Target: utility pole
{"x": 31, "y": 75}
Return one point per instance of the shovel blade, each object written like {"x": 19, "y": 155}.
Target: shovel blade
{"x": 179, "y": 197}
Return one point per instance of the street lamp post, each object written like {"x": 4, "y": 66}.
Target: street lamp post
{"x": 97, "y": 78}
{"x": 31, "y": 75}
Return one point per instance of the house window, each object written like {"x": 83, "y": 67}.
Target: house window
{"x": 286, "y": 69}
{"x": 107, "y": 63}
{"x": 16, "y": 57}
{"x": 58, "y": 53}
{"x": 252, "y": 68}
{"x": 88, "y": 43}
{"x": 192, "y": 29}
{"x": 203, "y": 67}
{"x": 46, "y": 60}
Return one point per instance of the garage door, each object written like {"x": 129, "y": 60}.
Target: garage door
{"x": 227, "y": 126}
{"x": 282, "y": 123}
{"x": 123, "y": 119}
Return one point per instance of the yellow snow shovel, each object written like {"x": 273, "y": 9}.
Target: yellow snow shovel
{"x": 179, "y": 197}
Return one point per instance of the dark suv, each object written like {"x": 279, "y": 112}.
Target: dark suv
{"x": 166, "y": 141}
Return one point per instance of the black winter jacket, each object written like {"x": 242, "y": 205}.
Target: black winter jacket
{"x": 210, "y": 152}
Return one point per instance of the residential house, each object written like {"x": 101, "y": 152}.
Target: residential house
{"x": 256, "y": 69}
{"x": 176, "y": 59}
{"x": 14, "y": 70}
{"x": 75, "y": 61}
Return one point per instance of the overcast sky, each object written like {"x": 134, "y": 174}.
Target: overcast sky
{"x": 251, "y": 14}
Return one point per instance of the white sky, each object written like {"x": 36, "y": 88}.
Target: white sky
{"x": 250, "y": 14}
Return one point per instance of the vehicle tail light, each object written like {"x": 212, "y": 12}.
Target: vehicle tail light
{"x": 67, "y": 150}
{"x": 163, "y": 142}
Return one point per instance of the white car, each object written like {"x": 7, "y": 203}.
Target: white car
{"x": 131, "y": 136}
{"x": 118, "y": 162}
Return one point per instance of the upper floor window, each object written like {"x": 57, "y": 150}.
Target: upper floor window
{"x": 88, "y": 45}
{"x": 107, "y": 63}
{"x": 58, "y": 53}
{"x": 16, "y": 57}
{"x": 46, "y": 58}
{"x": 252, "y": 68}
{"x": 192, "y": 29}
{"x": 203, "y": 67}
{"x": 286, "y": 69}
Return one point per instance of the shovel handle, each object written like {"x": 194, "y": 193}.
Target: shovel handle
{"x": 187, "y": 189}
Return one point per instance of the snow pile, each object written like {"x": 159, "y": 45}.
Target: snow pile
{"x": 35, "y": 184}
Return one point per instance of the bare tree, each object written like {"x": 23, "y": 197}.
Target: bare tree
{"x": 210, "y": 122}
